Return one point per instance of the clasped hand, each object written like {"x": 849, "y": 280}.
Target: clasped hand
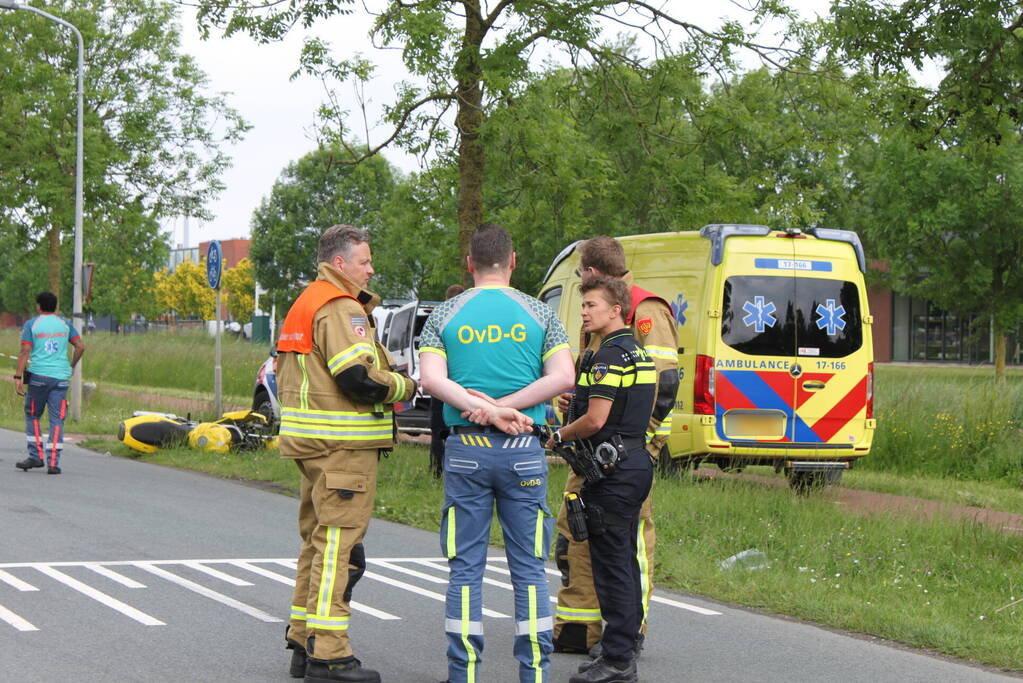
{"x": 508, "y": 420}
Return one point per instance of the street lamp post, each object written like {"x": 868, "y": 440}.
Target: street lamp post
{"x": 76, "y": 315}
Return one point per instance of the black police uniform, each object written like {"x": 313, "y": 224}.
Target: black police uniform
{"x": 622, "y": 372}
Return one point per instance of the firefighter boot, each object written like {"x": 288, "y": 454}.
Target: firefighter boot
{"x": 53, "y": 470}
{"x": 606, "y": 671}
{"x": 298, "y": 659}
{"x": 28, "y": 463}
{"x": 345, "y": 670}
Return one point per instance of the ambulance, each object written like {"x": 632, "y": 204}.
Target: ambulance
{"x": 775, "y": 353}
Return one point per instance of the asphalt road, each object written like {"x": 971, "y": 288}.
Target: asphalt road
{"x": 118, "y": 570}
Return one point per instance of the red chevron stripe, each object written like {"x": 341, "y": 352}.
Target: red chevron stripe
{"x": 782, "y": 384}
{"x": 842, "y": 412}
{"x": 728, "y": 396}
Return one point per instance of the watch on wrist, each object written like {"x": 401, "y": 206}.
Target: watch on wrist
{"x": 557, "y": 438}
{"x": 17, "y": 377}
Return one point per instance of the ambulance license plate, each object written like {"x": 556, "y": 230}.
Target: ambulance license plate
{"x": 759, "y": 425}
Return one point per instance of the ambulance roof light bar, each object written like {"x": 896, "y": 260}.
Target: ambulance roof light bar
{"x": 847, "y": 236}
{"x": 718, "y": 233}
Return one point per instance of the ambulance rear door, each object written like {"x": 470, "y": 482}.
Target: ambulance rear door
{"x": 754, "y": 365}
{"x": 833, "y": 348}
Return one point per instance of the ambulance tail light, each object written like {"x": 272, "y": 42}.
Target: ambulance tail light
{"x": 870, "y": 390}
{"x": 703, "y": 386}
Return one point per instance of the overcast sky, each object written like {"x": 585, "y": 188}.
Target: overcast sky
{"x": 282, "y": 112}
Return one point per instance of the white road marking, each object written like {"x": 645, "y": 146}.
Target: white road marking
{"x": 15, "y": 621}
{"x": 209, "y": 593}
{"x": 15, "y": 582}
{"x": 99, "y": 596}
{"x": 216, "y": 573}
{"x": 488, "y": 581}
{"x": 425, "y": 593}
{"x": 685, "y": 605}
{"x": 114, "y": 576}
{"x": 279, "y": 578}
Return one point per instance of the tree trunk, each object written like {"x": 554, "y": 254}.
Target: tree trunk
{"x": 53, "y": 260}
{"x": 1000, "y": 357}
{"x": 468, "y": 121}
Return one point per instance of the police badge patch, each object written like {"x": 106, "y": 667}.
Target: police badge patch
{"x": 598, "y": 371}
{"x": 644, "y": 325}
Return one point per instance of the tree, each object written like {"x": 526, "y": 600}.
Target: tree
{"x": 312, "y": 194}
{"x": 239, "y": 285}
{"x": 954, "y": 142}
{"x": 152, "y": 132}
{"x": 469, "y": 55}
{"x": 186, "y": 291}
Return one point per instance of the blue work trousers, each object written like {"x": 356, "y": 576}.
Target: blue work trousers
{"x": 51, "y": 394}
{"x": 479, "y": 470}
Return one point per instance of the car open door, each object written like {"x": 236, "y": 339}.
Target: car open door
{"x": 399, "y": 332}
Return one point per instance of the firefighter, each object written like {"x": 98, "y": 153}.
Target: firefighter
{"x": 578, "y": 622}
{"x": 614, "y": 398}
{"x": 337, "y": 388}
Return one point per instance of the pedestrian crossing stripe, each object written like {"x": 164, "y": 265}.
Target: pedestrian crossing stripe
{"x": 19, "y": 576}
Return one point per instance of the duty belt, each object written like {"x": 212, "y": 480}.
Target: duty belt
{"x": 631, "y": 443}
{"x": 475, "y": 429}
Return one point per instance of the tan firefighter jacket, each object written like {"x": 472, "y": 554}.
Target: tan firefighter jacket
{"x": 317, "y": 417}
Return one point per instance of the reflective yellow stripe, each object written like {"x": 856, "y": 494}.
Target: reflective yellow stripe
{"x": 644, "y": 567}
{"x": 303, "y": 392}
{"x": 431, "y": 349}
{"x": 307, "y": 433}
{"x": 351, "y": 353}
{"x": 538, "y": 535}
{"x": 298, "y": 613}
{"x": 487, "y": 441}
{"x": 451, "y": 533}
{"x": 577, "y": 614}
{"x": 470, "y": 669}
{"x": 534, "y": 642}
{"x": 665, "y": 352}
{"x": 328, "y": 623}
{"x": 399, "y": 387}
{"x": 330, "y": 553}
{"x": 552, "y": 351}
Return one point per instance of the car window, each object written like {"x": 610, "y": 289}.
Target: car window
{"x": 552, "y": 297}
{"x": 787, "y": 316}
{"x": 398, "y": 329}
{"x": 828, "y": 320}
{"x": 757, "y": 316}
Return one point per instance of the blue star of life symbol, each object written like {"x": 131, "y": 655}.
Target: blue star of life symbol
{"x": 830, "y": 317}
{"x": 678, "y": 309}
{"x": 759, "y": 314}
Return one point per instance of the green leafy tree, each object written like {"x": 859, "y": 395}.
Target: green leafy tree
{"x": 186, "y": 291}
{"x": 312, "y": 194}
{"x": 467, "y": 56}
{"x": 152, "y": 131}
{"x": 239, "y": 286}
{"x": 954, "y": 142}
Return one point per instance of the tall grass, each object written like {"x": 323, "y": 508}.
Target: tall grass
{"x": 177, "y": 360}
{"x": 948, "y": 422}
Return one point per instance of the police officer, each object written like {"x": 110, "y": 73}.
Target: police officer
{"x": 615, "y": 394}
{"x": 337, "y": 389}
{"x": 577, "y": 618}
{"x": 512, "y": 352}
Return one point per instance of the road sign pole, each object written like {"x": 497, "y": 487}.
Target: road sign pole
{"x": 214, "y": 268}
{"x": 217, "y": 386}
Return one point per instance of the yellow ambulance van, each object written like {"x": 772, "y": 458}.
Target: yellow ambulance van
{"x": 775, "y": 352}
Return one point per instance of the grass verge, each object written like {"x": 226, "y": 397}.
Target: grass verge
{"x": 936, "y": 584}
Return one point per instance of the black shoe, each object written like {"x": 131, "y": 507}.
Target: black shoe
{"x": 28, "y": 463}
{"x": 298, "y": 659}
{"x": 348, "y": 669}
{"x": 605, "y": 671}
{"x": 597, "y": 650}
{"x": 53, "y": 470}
